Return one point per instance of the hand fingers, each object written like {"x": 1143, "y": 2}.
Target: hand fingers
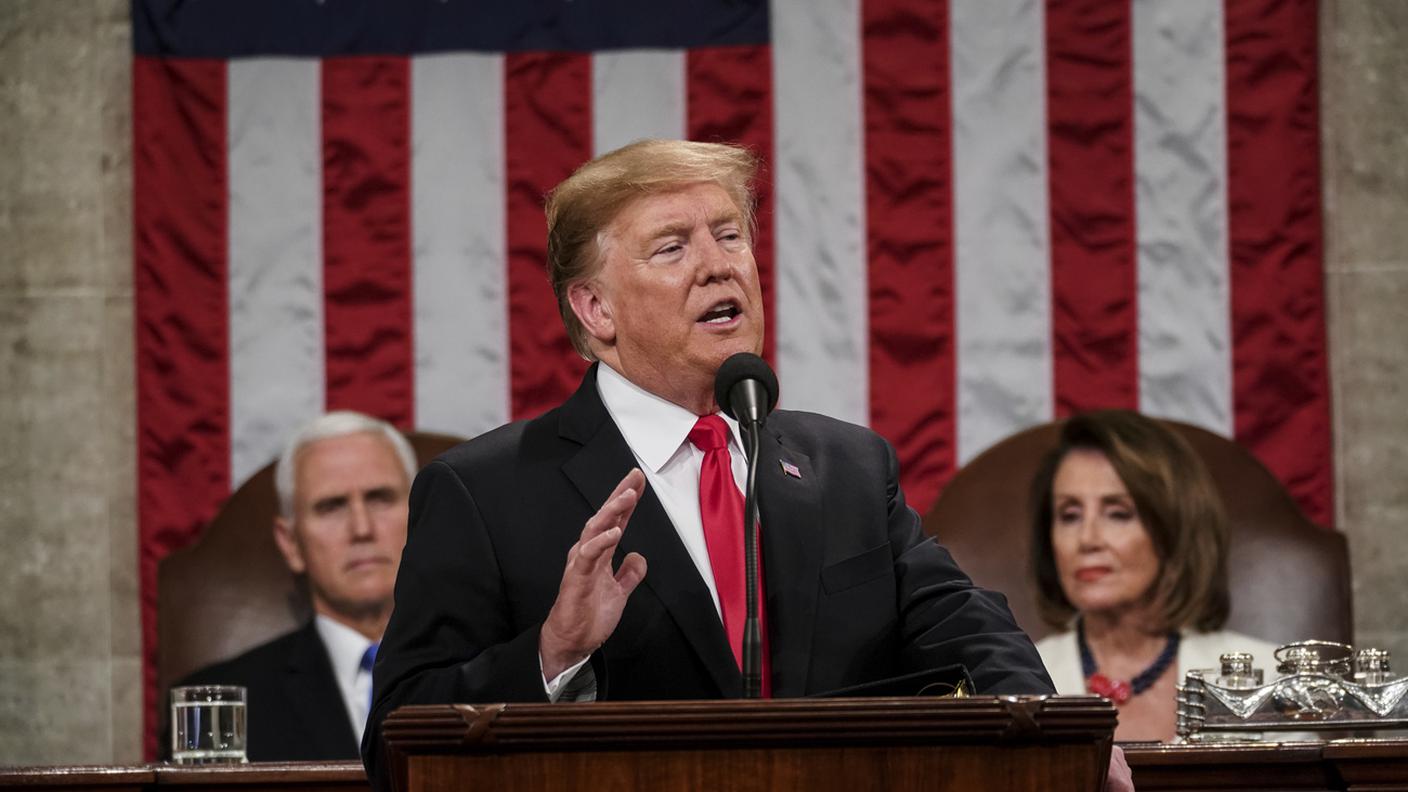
{"x": 592, "y": 551}
{"x": 614, "y": 514}
{"x": 627, "y": 506}
{"x": 618, "y": 507}
{"x": 1119, "y": 777}
{"x": 631, "y": 573}
{"x": 635, "y": 480}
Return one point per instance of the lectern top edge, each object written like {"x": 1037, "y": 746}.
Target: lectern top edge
{"x": 729, "y": 723}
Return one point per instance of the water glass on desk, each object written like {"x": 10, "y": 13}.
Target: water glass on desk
{"x": 208, "y": 724}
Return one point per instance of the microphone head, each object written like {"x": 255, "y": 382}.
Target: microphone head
{"x": 738, "y": 368}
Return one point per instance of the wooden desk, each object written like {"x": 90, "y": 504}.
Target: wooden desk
{"x": 1353, "y": 765}
{"x": 258, "y": 777}
{"x": 1358, "y": 766}
{"x": 264, "y": 777}
{"x": 1290, "y": 766}
{"x": 94, "y": 778}
{"x": 1366, "y": 765}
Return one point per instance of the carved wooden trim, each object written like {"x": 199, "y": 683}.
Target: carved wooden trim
{"x": 735, "y": 723}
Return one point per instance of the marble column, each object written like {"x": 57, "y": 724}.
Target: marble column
{"x": 69, "y": 636}
{"x": 1364, "y": 141}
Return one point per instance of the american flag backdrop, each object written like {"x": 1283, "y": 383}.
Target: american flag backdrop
{"x": 977, "y": 215}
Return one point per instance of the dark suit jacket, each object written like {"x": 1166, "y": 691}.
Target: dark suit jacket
{"x": 295, "y": 710}
{"x": 855, "y": 591}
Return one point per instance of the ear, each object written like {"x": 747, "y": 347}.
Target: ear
{"x": 593, "y": 310}
{"x": 289, "y": 546}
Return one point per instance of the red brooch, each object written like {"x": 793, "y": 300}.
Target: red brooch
{"x": 1116, "y": 690}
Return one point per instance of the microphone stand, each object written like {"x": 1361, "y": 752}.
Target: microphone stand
{"x": 749, "y": 388}
{"x": 752, "y": 635}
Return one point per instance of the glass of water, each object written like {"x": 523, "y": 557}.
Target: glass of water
{"x": 208, "y": 724}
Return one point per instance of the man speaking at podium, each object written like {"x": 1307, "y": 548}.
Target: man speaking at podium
{"x": 596, "y": 552}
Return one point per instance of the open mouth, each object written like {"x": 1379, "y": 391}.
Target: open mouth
{"x": 722, "y": 312}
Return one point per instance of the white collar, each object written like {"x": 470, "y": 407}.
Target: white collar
{"x": 345, "y": 646}
{"x": 654, "y": 428}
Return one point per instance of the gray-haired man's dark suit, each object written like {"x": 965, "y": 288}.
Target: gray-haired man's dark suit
{"x": 294, "y": 709}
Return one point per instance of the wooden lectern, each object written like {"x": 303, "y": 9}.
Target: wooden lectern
{"x": 845, "y": 745}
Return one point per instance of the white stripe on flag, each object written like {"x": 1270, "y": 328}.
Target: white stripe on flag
{"x": 819, "y": 177}
{"x": 460, "y": 252}
{"x": 276, "y": 256}
{"x": 1002, "y": 238}
{"x": 1185, "y": 350}
{"x": 636, "y": 94}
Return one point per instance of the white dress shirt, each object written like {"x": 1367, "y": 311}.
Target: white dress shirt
{"x": 345, "y": 649}
{"x": 657, "y": 432}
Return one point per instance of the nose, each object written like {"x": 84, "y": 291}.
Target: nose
{"x": 1089, "y": 532}
{"x": 715, "y": 263}
{"x": 360, "y": 521}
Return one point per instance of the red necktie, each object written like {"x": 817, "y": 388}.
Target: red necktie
{"x": 721, "y": 510}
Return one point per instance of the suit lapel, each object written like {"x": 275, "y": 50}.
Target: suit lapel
{"x": 310, "y": 686}
{"x": 792, "y": 539}
{"x": 595, "y": 470}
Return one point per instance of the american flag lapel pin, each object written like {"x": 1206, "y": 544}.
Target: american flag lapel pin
{"x": 790, "y": 469}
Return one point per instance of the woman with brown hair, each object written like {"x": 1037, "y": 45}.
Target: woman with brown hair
{"x": 1129, "y": 548}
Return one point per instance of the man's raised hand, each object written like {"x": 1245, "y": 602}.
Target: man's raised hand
{"x": 592, "y": 596}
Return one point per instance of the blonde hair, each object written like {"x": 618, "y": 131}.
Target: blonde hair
{"x": 581, "y": 207}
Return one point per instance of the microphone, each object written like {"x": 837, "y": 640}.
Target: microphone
{"x": 746, "y": 390}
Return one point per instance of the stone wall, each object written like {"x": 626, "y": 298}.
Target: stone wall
{"x": 69, "y": 636}
{"x": 70, "y": 684}
{"x": 1364, "y": 140}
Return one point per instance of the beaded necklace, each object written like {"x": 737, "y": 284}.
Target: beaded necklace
{"x": 1118, "y": 690}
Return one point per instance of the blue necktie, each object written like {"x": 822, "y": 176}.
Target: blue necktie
{"x": 368, "y": 658}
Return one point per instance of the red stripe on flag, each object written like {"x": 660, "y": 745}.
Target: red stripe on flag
{"x": 909, "y": 218}
{"x": 548, "y": 134}
{"x": 180, "y": 268}
{"x": 367, "y": 236}
{"x": 1094, "y": 280}
{"x": 1281, "y": 393}
{"x": 730, "y": 101}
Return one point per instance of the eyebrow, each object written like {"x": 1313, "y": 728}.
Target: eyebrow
{"x": 682, "y": 228}
{"x": 330, "y": 501}
{"x": 1114, "y": 496}
{"x": 670, "y": 230}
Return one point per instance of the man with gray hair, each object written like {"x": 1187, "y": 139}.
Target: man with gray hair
{"x": 343, "y": 482}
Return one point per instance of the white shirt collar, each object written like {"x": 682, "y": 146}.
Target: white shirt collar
{"x": 345, "y": 648}
{"x": 654, "y": 428}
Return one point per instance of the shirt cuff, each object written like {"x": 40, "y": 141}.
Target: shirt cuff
{"x": 558, "y": 684}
